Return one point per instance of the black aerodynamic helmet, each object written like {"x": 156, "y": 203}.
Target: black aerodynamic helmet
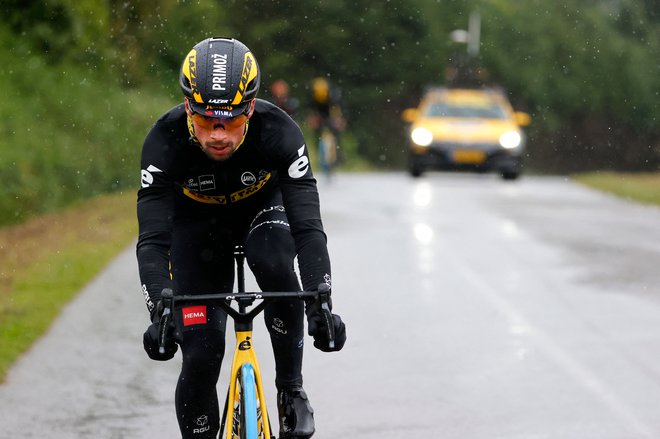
{"x": 220, "y": 77}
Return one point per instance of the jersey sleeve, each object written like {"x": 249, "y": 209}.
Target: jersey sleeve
{"x": 302, "y": 205}
{"x": 155, "y": 206}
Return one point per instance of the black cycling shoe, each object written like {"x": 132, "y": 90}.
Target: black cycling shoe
{"x": 295, "y": 413}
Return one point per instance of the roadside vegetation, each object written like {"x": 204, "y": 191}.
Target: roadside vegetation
{"x": 638, "y": 187}
{"x": 78, "y": 134}
{"x": 46, "y": 260}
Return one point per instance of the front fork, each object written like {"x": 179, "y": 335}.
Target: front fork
{"x": 245, "y": 354}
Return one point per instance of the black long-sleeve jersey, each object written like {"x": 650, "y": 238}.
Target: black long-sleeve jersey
{"x": 179, "y": 181}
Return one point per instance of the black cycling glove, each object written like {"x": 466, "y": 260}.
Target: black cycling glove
{"x": 316, "y": 327}
{"x": 150, "y": 339}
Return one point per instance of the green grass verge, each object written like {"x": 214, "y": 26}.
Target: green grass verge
{"x": 642, "y": 187}
{"x": 46, "y": 261}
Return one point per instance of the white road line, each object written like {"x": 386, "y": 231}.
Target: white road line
{"x": 582, "y": 375}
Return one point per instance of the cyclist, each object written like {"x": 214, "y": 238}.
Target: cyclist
{"x": 279, "y": 91}
{"x": 220, "y": 169}
{"x": 325, "y": 114}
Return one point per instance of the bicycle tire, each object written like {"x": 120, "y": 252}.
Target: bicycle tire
{"x": 249, "y": 418}
{"x": 327, "y": 150}
{"x": 330, "y": 153}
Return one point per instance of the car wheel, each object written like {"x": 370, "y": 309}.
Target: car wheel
{"x": 415, "y": 171}
{"x": 510, "y": 175}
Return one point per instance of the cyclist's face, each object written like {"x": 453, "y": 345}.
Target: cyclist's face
{"x": 219, "y": 138}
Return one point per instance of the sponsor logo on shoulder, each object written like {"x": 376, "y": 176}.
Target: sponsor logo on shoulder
{"x": 147, "y": 175}
{"x": 300, "y": 166}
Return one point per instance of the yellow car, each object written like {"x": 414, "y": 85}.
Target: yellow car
{"x": 466, "y": 129}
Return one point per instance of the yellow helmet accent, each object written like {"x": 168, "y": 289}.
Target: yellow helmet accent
{"x": 189, "y": 70}
{"x": 248, "y": 74}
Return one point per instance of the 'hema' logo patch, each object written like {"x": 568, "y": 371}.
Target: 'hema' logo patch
{"x": 206, "y": 182}
{"x": 194, "y": 315}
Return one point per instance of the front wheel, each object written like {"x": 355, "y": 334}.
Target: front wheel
{"x": 327, "y": 151}
{"x": 248, "y": 406}
{"x": 510, "y": 175}
{"x": 415, "y": 169}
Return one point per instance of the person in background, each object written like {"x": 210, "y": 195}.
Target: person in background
{"x": 279, "y": 91}
{"x": 325, "y": 111}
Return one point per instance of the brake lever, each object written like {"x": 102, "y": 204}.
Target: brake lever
{"x": 167, "y": 297}
{"x": 324, "y": 298}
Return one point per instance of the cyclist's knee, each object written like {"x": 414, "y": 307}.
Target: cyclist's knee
{"x": 273, "y": 269}
{"x": 202, "y": 353}
{"x": 270, "y": 254}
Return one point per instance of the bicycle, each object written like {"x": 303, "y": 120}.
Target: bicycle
{"x": 245, "y": 406}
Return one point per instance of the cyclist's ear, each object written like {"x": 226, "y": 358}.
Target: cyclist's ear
{"x": 187, "y": 104}
{"x": 251, "y": 110}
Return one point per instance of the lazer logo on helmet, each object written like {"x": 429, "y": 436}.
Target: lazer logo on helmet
{"x": 249, "y": 72}
{"x": 192, "y": 69}
{"x": 219, "y": 77}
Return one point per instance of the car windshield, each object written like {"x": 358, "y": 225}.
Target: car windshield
{"x": 468, "y": 110}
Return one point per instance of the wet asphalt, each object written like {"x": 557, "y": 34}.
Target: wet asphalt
{"x": 476, "y": 308}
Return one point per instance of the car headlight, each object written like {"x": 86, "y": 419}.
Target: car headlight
{"x": 510, "y": 140}
{"x": 421, "y": 136}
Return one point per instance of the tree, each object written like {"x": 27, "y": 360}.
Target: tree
{"x": 585, "y": 75}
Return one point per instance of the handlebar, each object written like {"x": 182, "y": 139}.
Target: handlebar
{"x": 244, "y": 299}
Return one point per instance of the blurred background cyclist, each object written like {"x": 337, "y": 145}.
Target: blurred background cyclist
{"x": 279, "y": 92}
{"x": 325, "y": 116}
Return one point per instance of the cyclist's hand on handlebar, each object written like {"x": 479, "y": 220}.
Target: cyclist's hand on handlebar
{"x": 318, "y": 319}
{"x": 150, "y": 339}
{"x": 318, "y": 330}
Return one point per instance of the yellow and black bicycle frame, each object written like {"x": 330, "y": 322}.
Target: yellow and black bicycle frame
{"x": 244, "y": 353}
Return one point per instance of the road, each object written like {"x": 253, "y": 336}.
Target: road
{"x": 476, "y": 308}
